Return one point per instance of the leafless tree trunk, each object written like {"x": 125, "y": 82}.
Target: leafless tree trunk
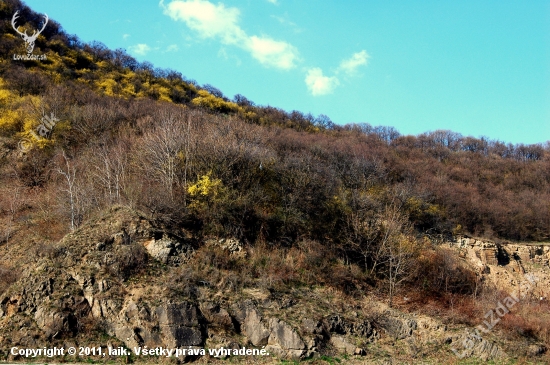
{"x": 161, "y": 147}
{"x": 110, "y": 170}
{"x": 14, "y": 202}
{"x": 69, "y": 173}
{"x": 397, "y": 250}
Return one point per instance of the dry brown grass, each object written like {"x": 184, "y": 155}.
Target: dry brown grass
{"x": 529, "y": 319}
{"x": 268, "y": 268}
{"x": 7, "y": 277}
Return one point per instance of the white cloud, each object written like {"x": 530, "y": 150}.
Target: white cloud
{"x": 350, "y": 65}
{"x": 318, "y": 84}
{"x": 221, "y": 22}
{"x": 207, "y": 19}
{"x": 273, "y": 2}
{"x": 139, "y": 49}
{"x": 273, "y": 53}
{"x": 125, "y": 36}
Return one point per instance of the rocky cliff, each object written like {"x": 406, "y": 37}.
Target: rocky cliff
{"x": 506, "y": 264}
{"x": 113, "y": 283}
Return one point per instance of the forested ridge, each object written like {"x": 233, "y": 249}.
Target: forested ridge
{"x": 128, "y": 133}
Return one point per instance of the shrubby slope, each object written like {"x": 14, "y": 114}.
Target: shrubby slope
{"x": 353, "y": 209}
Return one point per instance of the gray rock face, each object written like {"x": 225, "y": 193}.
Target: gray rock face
{"x": 284, "y": 335}
{"x": 168, "y": 250}
{"x": 160, "y": 250}
{"x": 472, "y": 345}
{"x": 343, "y": 345}
{"x": 340, "y": 325}
{"x": 78, "y": 282}
{"x": 217, "y": 316}
{"x": 281, "y": 339}
{"x": 314, "y": 327}
{"x": 174, "y": 325}
{"x": 399, "y": 328}
{"x": 181, "y": 324}
{"x": 251, "y": 323}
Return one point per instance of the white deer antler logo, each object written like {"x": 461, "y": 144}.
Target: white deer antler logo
{"x": 29, "y": 40}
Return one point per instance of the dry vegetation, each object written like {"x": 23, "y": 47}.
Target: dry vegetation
{"x": 357, "y": 208}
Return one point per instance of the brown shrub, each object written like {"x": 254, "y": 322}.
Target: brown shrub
{"x": 210, "y": 266}
{"x": 183, "y": 283}
{"x": 7, "y": 277}
{"x": 440, "y": 271}
{"x": 51, "y": 251}
{"x": 529, "y": 319}
{"x": 130, "y": 260}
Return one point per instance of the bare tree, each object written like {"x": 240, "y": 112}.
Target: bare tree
{"x": 68, "y": 171}
{"x": 14, "y": 201}
{"x": 161, "y": 146}
{"x": 110, "y": 169}
{"x": 397, "y": 249}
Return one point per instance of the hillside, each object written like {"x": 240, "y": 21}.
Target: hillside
{"x": 140, "y": 208}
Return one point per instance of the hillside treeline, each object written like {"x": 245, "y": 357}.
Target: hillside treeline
{"x": 274, "y": 182}
{"x": 128, "y": 133}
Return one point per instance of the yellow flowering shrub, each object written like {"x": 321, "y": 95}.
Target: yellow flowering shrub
{"x": 204, "y": 192}
{"x": 10, "y": 121}
{"x": 205, "y": 186}
{"x": 209, "y": 101}
{"x": 107, "y": 86}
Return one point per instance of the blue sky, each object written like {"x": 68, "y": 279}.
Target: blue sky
{"x": 481, "y": 68}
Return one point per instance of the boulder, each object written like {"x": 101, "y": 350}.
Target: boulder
{"x": 284, "y": 336}
{"x": 473, "y": 345}
{"x": 398, "y": 327}
{"x": 251, "y": 324}
{"x": 232, "y": 245}
{"x": 181, "y": 324}
{"x": 342, "y": 345}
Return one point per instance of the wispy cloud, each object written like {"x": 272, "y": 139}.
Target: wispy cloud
{"x": 139, "y": 49}
{"x": 221, "y": 22}
{"x": 172, "y": 48}
{"x": 350, "y": 66}
{"x": 273, "y": 2}
{"x": 125, "y": 36}
{"x": 285, "y": 20}
{"x": 222, "y": 53}
{"x": 319, "y": 84}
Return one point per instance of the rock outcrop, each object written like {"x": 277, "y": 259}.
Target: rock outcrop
{"x": 96, "y": 278}
{"x": 108, "y": 278}
{"x": 509, "y": 265}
